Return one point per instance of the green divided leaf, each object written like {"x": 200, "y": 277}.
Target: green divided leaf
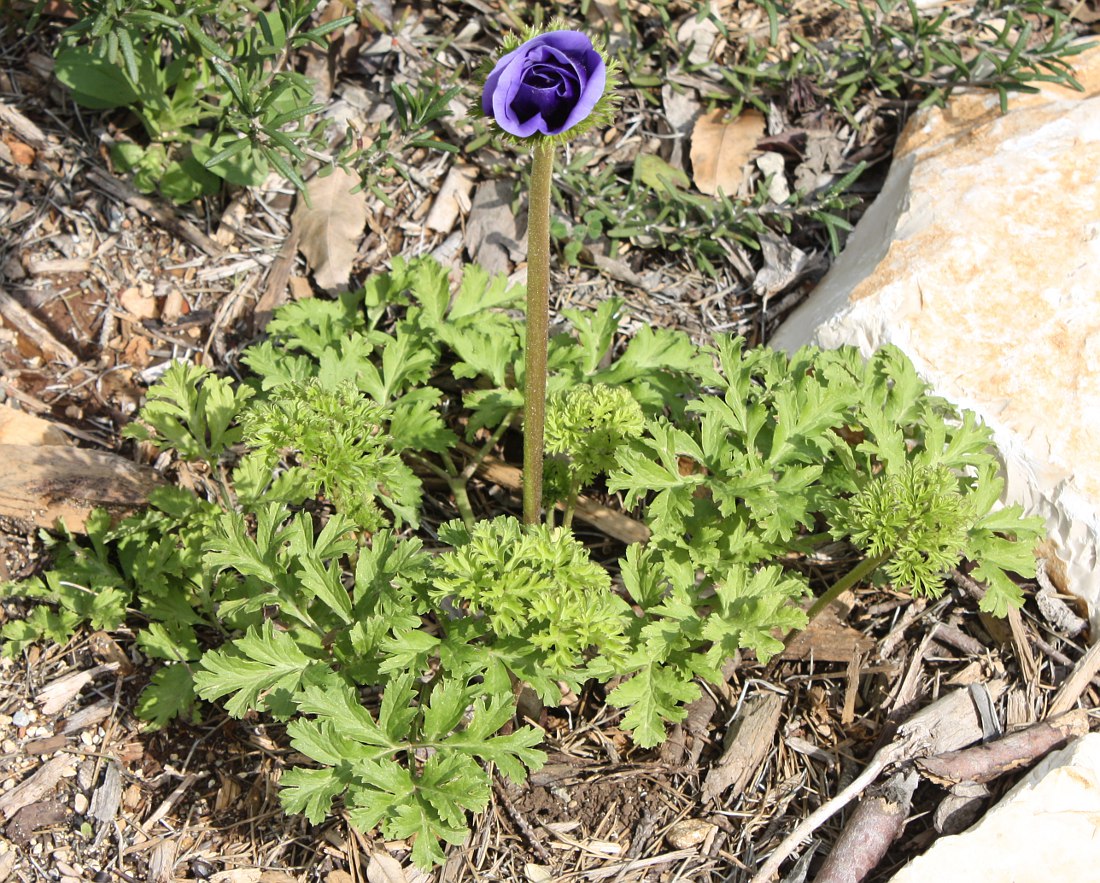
{"x": 655, "y": 694}
{"x": 170, "y": 694}
{"x": 262, "y": 670}
{"x": 311, "y": 792}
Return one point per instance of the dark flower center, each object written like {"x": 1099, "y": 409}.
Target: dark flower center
{"x": 550, "y": 86}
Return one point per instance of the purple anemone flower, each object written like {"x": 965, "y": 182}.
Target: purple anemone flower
{"x": 546, "y": 86}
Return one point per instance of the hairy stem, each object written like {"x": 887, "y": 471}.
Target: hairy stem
{"x": 861, "y": 571}
{"x": 538, "y": 322}
{"x": 456, "y": 482}
{"x": 486, "y": 449}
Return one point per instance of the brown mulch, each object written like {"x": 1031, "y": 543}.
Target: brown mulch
{"x": 119, "y": 286}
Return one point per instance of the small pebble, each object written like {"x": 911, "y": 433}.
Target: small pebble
{"x": 80, "y": 804}
{"x": 21, "y": 718}
{"x": 66, "y": 870}
{"x": 8, "y": 784}
{"x": 6, "y": 720}
{"x": 8, "y": 747}
{"x": 688, "y": 833}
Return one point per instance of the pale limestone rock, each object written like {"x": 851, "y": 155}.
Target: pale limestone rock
{"x": 1044, "y": 829}
{"x": 981, "y": 261}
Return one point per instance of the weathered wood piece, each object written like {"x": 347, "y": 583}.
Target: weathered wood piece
{"x": 752, "y": 736}
{"x": 39, "y": 485}
{"x": 876, "y": 823}
{"x": 1078, "y": 681}
{"x": 953, "y": 721}
{"x": 984, "y": 763}
{"x": 26, "y": 323}
{"x": 37, "y": 786}
{"x": 828, "y": 639}
{"x": 20, "y": 428}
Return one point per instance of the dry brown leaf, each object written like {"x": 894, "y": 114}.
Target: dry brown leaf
{"x": 721, "y": 148}
{"x": 339, "y": 877}
{"x": 21, "y": 154}
{"x": 330, "y": 228}
{"x": 383, "y": 868}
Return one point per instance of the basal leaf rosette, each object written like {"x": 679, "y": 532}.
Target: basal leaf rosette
{"x": 553, "y": 85}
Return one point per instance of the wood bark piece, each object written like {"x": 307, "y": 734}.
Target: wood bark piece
{"x": 164, "y": 216}
{"x": 36, "y": 787}
{"x": 39, "y": 485}
{"x": 1056, "y": 611}
{"x": 984, "y": 763}
{"x": 106, "y": 800}
{"x": 753, "y": 734}
{"x": 828, "y": 639}
{"x": 21, "y": 428}
{"x": 1077, "y": 682}
{"x": 24, "y": 321}
{"x": 953, "y": 721}
{"x": 23, "y": 127}
{"x": 876, "y": 823}
{"x": 61, "y": 691}
{"x": 452, "y": 200}
{"x": 278, "y": 276}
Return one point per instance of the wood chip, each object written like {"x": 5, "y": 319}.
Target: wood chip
{"x": 89, "y": 716}
{"x": 453, "y": 199}
{"x": 48, "y": 745}
{"x": 58, "y": 693}
{"x": 34, "y": 818}
{"x": 40, "y": 485}
{"x": 54, "y": 266}
{"x": 753, "y": 735}
{"x": 828, "y": 639}
{"x": 36, "y": 787}
{"x": 106, "y": 800}
{"x": 26, "y": 129}
{"x": 278, "y": 278}
{"x": 162, "y": 861}
{"x": 21, "y": 428}
{"x": 1077, "y": 682}
{"x": 24, "y": 321}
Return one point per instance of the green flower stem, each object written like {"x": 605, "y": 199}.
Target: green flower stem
{"x": 861, "y": 571}
{"x": 538, "y": 324}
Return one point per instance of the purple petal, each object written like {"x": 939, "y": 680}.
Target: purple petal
{"x": 547, "y": 85}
